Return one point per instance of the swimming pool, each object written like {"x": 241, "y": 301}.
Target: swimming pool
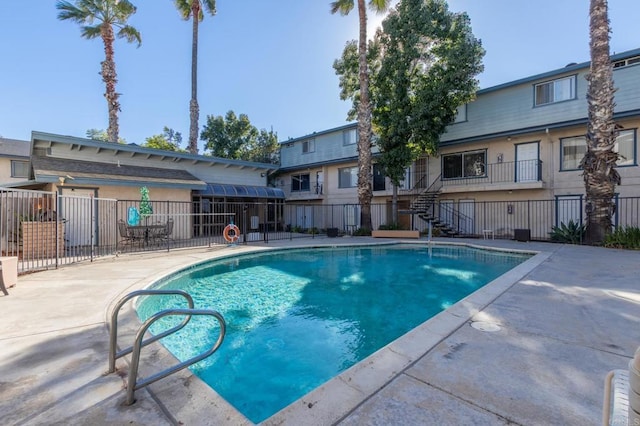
{"x": 297, "y": 318}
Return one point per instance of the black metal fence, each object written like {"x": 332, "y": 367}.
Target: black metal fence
{"x": 45, "y": 230}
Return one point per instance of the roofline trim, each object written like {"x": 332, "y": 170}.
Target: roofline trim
{"x": 51, "y": 137}
{"x": 568, "y": 69}
{"x": 532, "y": 129}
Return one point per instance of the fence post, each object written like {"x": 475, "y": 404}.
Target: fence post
{"x": 528, "y": 214}
{"x": 92, "y": 229}
{"x": 58, "y": 205}
{"x": 265, "y": 218}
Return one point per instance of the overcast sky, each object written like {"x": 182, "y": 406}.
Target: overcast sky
{"x": 271, "y": 60}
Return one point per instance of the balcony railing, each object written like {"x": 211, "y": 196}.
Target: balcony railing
{"x": 507, "y": 172}
{"x": 303, "y": 190}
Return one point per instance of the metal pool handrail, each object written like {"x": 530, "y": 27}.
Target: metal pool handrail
{"x": 132, "y": 384}
{"x": 113, "y": 334}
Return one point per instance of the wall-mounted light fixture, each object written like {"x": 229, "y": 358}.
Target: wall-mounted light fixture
{"x": 263, "y": 174}
{"x": 500, "y": 158}
{"x": 509, "y": 208}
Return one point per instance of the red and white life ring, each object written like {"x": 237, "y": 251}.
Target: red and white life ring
{"x": 231, "y": 233}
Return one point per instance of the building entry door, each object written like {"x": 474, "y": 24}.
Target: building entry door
{"x": 527, "y": 162}
{"x": 378, "y": 178}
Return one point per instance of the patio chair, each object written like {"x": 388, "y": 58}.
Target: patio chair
{"x": 126, "y": 236}
{"x": 168, "y": 230}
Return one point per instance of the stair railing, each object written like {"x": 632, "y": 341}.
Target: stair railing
{"x": 434, "y": 187}
{"x": 113, "y": 329}
{"x": 132, "y": 383}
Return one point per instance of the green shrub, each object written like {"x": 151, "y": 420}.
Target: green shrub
{"x": 313, "y": 231}
{"x": 626, "y": 238}
{"x": 572, "y": 233}
{"x": 296, "y": 229}
{"x": 390, "y": 227}
{"x": 362, "y": 232}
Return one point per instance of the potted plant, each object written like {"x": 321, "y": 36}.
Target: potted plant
{"x": 38, "y": 235}
{"x": 394, "y": 230}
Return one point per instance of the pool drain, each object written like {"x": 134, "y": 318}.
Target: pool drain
{"x": 485, "y": 326}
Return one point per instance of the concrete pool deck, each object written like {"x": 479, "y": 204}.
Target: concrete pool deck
{"x": 533, "y": 347}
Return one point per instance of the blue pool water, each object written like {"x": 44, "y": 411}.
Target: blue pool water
{"x": 297, "y": 318}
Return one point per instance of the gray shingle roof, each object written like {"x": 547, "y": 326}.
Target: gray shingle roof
{"x": 14, "y": 148}
{"x": 49, "y": 169}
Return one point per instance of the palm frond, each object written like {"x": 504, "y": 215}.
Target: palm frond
{"x": 379, "y": 5}
{"x": 130, "y": 34}
{"x": 91, "y": 31}
{"x": 184, "y": 8}
{"x": 342, "y": 6}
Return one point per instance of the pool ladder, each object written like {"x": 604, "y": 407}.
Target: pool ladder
{"x": 132, "y": 383}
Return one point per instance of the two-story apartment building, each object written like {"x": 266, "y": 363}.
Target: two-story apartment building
{"x": 14, "y": 160}
{"x": 517, "y": 142}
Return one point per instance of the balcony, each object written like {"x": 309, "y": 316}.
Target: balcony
{"x": 513, "y": 175}
{"x": 303, "y": 191}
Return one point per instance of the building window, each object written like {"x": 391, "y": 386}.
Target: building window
{"x": 464, "y": 165}
{"x": 19, "y": 169}
{"x": 558, "y": 90}
{"x": 461, "y": 114}
{"x": 626, "y": 62}
{"x": 349, "y": 137}
{"x": 308, "y": 146}
{"x": 572, "y": 150}
{"x": 348, "y": 177}
{"x": 300, "y": 183}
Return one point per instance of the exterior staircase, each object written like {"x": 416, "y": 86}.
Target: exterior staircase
{"x": 425, "y": 205}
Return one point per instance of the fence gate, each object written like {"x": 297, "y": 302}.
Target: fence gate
{"x": 80, "y": 217}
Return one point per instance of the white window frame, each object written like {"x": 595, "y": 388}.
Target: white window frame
{"x": 350, "y": 137}
{"x": 19, "y": 169}
{"x": 481, "y": 172}
{"x": 556, "y": 92}
{"x": 628, "y": 136}
{"x": 299, "y": 178}
{"x": 309, "y": 146}
{"x": 353, "y": 181}
{"x": 626, "y": 62}
{"x": 461, "y": 114}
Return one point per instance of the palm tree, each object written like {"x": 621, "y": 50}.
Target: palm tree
{"x": 600, "y": 176}
{"x": 364, "y": 108}
{"x": 107, "y": 14}
{"x": 193, "y": 9}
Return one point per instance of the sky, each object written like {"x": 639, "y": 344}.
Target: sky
{"x": 271, "y": 60}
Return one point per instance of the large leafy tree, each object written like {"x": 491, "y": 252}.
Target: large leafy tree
{"x": 194, "y": 10}
{"x": 427, "y": 64}
{"x": 169, "y": 140}
{"x": 236, "y": 138}
{"x": 101, "y": 135}
{"x": 365, "y": 193}
{"x": 99, "y": 18}
{"x": 600, "y": 176}
{"x": 265, "y": 148}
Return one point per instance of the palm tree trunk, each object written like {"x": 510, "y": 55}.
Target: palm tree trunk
{"x": 109, "y": 76}
{"x": 599, "y": 174}
{"x": 194, "y": 109}
{"x": 365, "y": 193}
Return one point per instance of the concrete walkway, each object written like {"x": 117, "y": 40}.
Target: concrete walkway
{"x": 533, "y": 348}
